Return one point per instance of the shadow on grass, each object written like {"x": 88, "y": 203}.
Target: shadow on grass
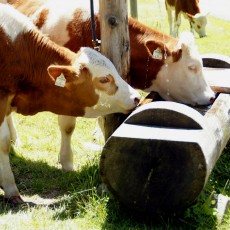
{"x": 76, "y": 191}
{"x": 118, "y": 217}
{"x": 199, "y": 216}
{"x": 37, "y": 178}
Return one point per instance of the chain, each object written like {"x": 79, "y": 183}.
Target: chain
{"x": 146, "y": 74}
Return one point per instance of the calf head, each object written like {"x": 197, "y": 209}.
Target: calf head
{"x": 198, "y": 22}
{"x": 181, "y": 77}
{"x": 99, "y": 89}
{"x": 92, "y": 83}
{"x": 113, "y": 93}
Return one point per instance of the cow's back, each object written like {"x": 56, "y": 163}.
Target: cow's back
{"x": 27, "y": 7}
{"x": 66, "y": 23}
{"x": 186, "y": 6}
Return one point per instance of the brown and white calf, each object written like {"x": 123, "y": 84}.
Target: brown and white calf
{"x": 191, "y": 10}
{"x": 39, "y": 75}
{"x": 170, "y": 66}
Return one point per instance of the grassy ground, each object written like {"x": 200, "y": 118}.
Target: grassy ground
{"x": 70, "y": 200}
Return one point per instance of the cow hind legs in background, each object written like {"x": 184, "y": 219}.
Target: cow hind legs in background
{"x": 174, "y": 22}
{"x": 170, "y": 19}
{"x": 67, "y": 126}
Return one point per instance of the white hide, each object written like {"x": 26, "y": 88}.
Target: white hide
{"x": 189, "y": 71}
{"x": 60, "y": 14}
{"x": 13, "y": 22}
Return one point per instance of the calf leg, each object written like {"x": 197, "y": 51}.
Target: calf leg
{"x": 66, "y": 125}
{"x": 13, "y": 133}
{"x": 170, "y": 19}
{"x": 7, "y": 181}
{"x": 177, "y": 22}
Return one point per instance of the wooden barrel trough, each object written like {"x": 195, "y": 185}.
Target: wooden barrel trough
{"x": 160, "y": 157}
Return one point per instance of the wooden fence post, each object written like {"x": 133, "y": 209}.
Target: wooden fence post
{"x": 115, "y": 45}
{"x": 133, "y": 8}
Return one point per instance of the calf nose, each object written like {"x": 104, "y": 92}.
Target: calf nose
{"x": 202, "y": 36}
{"x": 136, "y": 100}
{"x": 212, "y": 99}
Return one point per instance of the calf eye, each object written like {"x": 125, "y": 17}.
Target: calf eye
{"x": 104, "y": 80}
{"x": 198, "y": 26}
{"x": 193, "y": 68}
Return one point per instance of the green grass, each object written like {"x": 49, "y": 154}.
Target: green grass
{"x": 70, "y": 200}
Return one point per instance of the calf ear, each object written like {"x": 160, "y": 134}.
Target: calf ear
{"x": 176, "y": 55}
{"x": 157, "y": 50}
{"x": 190, "y": 16}
{"x": 68, "y": 72}
{"x": 56, "y": 70}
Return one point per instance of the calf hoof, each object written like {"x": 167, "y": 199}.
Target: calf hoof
{"x": 15, "y": 200}
{"x": 67, "y": 167}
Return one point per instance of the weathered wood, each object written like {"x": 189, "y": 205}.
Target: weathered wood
{"x": 160, "y": 158}
{"x": 133, "y": 8}
{"x": 115, "y": 45}
{"x": 218, "y": 120}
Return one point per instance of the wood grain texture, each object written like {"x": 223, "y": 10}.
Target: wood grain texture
{"x": 115, "y": 45}
{"x": 160, "y": 158}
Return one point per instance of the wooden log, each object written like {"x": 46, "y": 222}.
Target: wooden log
{"x": 160, "y": 158}
{"x": 115, "y": 45}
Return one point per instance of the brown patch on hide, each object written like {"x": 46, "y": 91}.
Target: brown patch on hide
{"x": 41, "y": 19}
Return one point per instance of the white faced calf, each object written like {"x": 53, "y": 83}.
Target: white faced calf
{"x": 183, "y": 80}
{"x": 114, "y": 94}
